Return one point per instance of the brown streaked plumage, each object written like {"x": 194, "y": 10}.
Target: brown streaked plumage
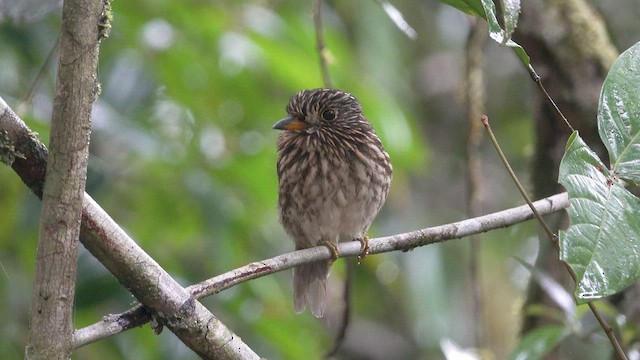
{"x": 334, "y": 176}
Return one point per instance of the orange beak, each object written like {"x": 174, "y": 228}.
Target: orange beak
{"x": 290, "y": 123}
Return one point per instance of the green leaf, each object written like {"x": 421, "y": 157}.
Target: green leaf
{"x": 471, "y": 7}
{"x": 619, "y": 115}
{"x": 497, "y": 34}
{"x": 537, "y": 343}
{"x": 600, "y": 244}
{"x": 486, "y": 9}
{"x": 511, "y": 11}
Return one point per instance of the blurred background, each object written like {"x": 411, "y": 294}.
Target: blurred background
{"x": 183, "y": 157}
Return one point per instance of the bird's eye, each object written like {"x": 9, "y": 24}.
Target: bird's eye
{"x": 328, "y": 114}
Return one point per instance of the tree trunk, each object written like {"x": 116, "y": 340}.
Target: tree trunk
{"x": 51, "y": 331}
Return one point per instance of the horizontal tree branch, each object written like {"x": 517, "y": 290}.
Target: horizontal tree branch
{"x": 137, "y": 316}
{"x": 404, "y": 242}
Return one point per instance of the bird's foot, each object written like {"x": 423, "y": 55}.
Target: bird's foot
{"x": 364, "y": 247}
{"x": 333, "y": 248}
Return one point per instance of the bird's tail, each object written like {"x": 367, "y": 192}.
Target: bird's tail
{"x": 310, "y": 287}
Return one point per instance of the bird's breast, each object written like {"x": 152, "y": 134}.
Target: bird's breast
{"x": 329, "y": 192}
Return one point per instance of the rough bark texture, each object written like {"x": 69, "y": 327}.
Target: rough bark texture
{"x": 171, "y": 304}
{"x": 21, "y": 149}
{"x": 572, "y": 52}
{"x": 51, "y": 331}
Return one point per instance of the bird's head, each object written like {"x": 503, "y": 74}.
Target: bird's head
{"x": 311, "y": 110}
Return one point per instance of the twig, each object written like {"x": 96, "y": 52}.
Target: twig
{"x": 323, "y": 55}
{"x": 111, "y": 325}
{"x": 536, "y": 78}
{"x": 346, "y": 312}
{"x": 404, "y": 242}
{"x": 22, "y": 105}
{"x": 554, "y": 239}
{"x": 485, "y": 122}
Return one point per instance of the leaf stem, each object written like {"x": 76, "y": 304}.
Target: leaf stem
{"x": 536, "y": 78}
{"x": 547, "y": 230}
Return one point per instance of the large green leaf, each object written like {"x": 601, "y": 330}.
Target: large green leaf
{"x": 619, "y": 115}
{"x": 471, "y": 7}
{"x": 538, "y": 343}
{"x": 601, "y": 244}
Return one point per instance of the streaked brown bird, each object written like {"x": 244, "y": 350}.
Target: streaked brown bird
{"x": 334, "y": 176}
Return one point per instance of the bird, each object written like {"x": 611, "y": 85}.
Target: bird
{"x": 333, "y": 179}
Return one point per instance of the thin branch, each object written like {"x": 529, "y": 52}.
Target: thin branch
{"x": 26, "y": 101}
{"x": 111, "y": 325}
{"x": 341, "y": 332}
{"x": 523, "y": 192}
{"x": 536, "y": 78}
{"x": 323, "y": 54}
{"x": 554, "y": 239}
{"x": 403, "y": 242}
{"x": 607, "y": 330}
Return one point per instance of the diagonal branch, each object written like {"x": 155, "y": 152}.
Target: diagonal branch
{"x": 172, "y": 304}
{"x": 137, "y": 316}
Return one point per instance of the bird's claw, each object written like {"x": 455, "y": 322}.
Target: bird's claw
{"x": 333, "y": 249}
{"x": 364, "y": 247}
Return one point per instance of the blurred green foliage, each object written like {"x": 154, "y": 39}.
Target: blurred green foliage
{"x": 183, "y": 158}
